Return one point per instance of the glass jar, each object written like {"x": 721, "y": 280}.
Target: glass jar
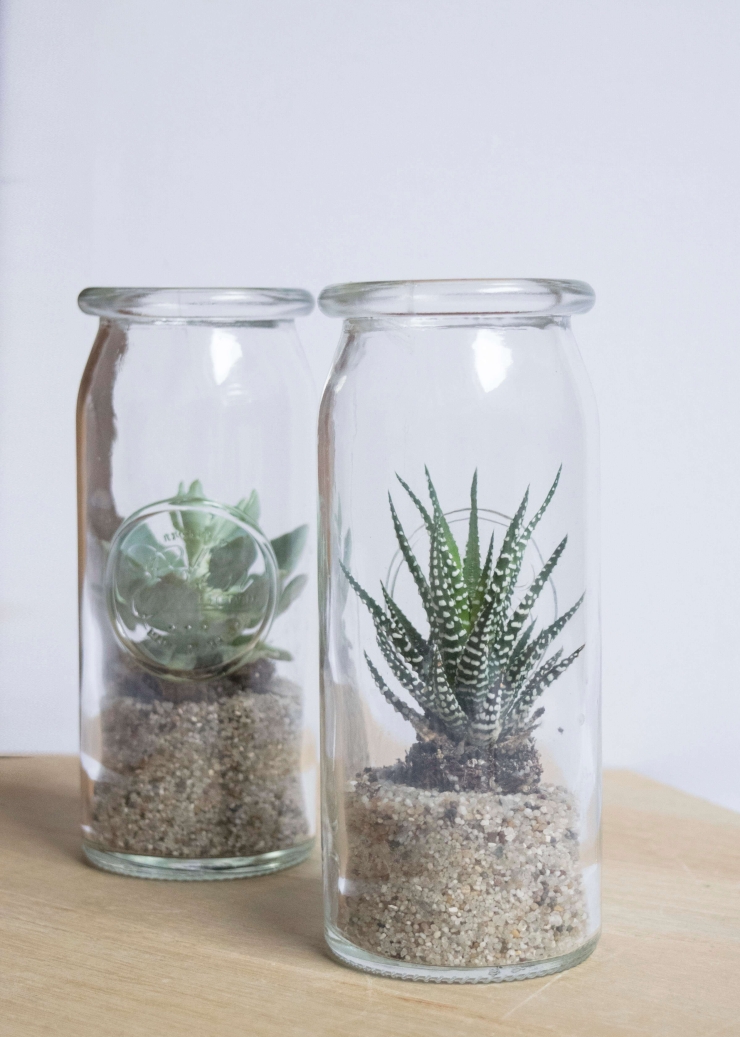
{"x": 197, "y": 616}
{"x": 458, "y": 576}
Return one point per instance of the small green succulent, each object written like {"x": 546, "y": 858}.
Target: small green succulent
{"x": 196, "y": 589}
{"x": 481, "y": 668}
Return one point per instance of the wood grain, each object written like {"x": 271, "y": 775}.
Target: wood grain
{"x": 93, "y": 955}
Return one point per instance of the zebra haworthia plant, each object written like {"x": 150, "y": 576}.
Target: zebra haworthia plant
{"x": 481, "y": 668}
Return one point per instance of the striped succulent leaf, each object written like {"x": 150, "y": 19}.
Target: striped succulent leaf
{"x": 503, "y": 642}
{"x": 474, "y": 659}
{"x": 445, "y": 703}
{"x": 384, "y": 623}
{"x": 485, "y": 725}
{"x": 447, "y": 628}
{"x": 415, "y": 719}
{"x": 450, "y": 555}
{"x": 542, "y": 679}
{"x": 439, "y": 516}
{"x": 544, "y": 506}
{"x": 511, "y": 691}
{"x": 478, "y": 673}
{"x": 410, "y": 558}
{"x": 417, "y": 644}
{"x": 522, "y": 642}
{"x": 476, "y": 600}
{"x": 403, "y": 673}
{"x": 535, "y": 651}
{"x": 471, "y": 564}
{"x": 422, "y": 510}
{"x": 525, "y": 606}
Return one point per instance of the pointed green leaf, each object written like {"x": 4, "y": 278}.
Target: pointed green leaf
{"x": 476, "y": 600}
{"x": 450, "y": 556}
{"x": 542, "y": 679}
{"x": 439, "y": 515}
{"x": 403, "y": 673}
{"x": 474, "y": 666}
{"x": 405, "y": 636}
{"x": 471, "y": 565}
{"x": 414, "y": 718}
{"x": 288, "y": 548}
{"x": 250, "y": 508}
{"x": 543, "y": 508}
{"x": 527, "y": 603}
{"x": 532, "y": 655}
{"x": 444, "y": 704}
{"x": 370, "y": 604}
{"x": 522, "y": 643}
{"x": 230, "y": 562}
{"x": 290, "y": 592}
{"x": 448, "y": 631}
{"x": 422, "y": 510}
{"x": 410, "y": 558}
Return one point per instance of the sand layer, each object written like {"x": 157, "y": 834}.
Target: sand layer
{"x": 208, "y": 778}
{"x": 462, "y": 878}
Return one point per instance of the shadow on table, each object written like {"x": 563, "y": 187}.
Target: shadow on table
{"x": 288, "y": 905}
{"x": 43, "y": 812}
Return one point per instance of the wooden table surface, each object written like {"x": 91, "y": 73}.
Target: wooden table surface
{"x": 89, "y": 954}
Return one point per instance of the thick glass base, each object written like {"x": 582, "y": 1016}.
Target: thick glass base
{"x": 196, "y": 869}
{"x": 349, "y": 954}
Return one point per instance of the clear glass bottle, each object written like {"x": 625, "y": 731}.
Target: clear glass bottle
{"x": 197, "y": 615}
{"x": 458, "y": 579}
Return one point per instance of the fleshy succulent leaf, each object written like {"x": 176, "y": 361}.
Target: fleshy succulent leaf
{"x": 534, "y": 652}
{"x": 290, "y": 592}
{"x": 428, "y": 522}
{"x": 230, "y": 561}
{"x": 439, "y": 516}
{"x": 406, "y": 637}
{"x": 370, "y": 603}
{"x": 288, "y": 548}
{"x": 415, "y": 719}
{"x": 471, "y": 565}
{"x": 408, "y": 555}
{"x": 250, "y": 508}
{"x": 543, "y": 678}
{"x": 534, "y": 521}
{"x": 403, "y": 673}
{"x": 476, "y": 600}
{"x": 521, "y": 614}
{"x": 443, "y": 700}
{"x": 448, "y": 631}
{"x": 485, "y": 725}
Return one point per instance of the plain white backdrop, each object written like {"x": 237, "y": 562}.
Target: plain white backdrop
{"x": 283, "y": 142}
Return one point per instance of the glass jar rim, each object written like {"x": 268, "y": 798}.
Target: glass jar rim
{"x": 533, "y": 297}
{"x": 198, "y": 305}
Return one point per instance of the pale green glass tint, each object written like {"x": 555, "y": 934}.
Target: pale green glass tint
{"x": 460, "y": 845}
{"x": 197, "y": 593}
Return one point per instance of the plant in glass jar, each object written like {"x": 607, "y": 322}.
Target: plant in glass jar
{"x": 202, "y": 730}
{"x": 197, "y": 638}
{"x": 428, "y": 886}
{"x": 196, "y": 592}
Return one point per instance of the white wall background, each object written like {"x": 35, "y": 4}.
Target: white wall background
{"x": 287, "y": 142}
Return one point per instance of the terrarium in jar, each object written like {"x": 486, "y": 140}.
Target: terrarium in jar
{"x": 197, "y": 617}
{"x": 460, "y": 635}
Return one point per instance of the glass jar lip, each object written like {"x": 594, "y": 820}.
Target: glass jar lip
{"x": 199, "y": 305}
{"x": 528, "y": 297}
